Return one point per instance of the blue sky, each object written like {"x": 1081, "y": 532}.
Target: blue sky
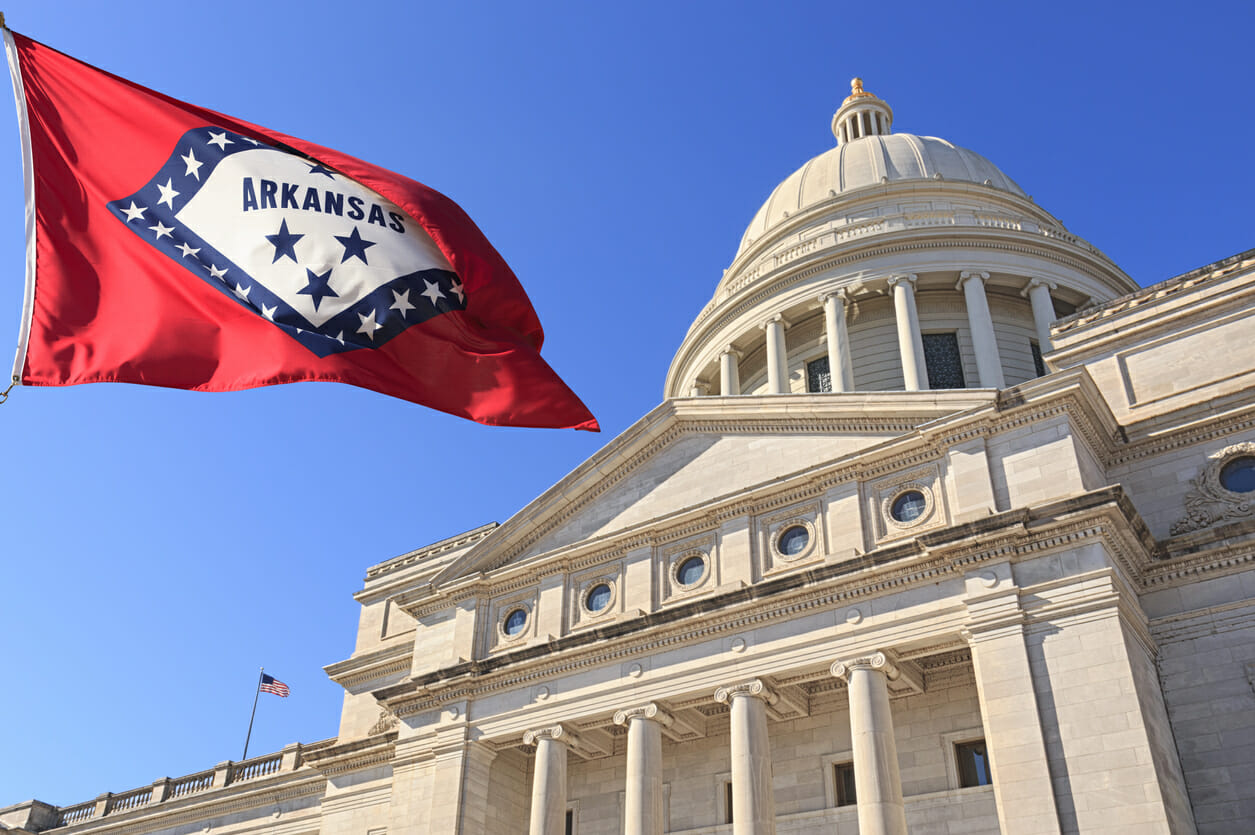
{"x": 159, "y": 546}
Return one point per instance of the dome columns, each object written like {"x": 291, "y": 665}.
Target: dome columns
{"x": 729, "y": 372}
{"x": 777, "y": 355}
{"x": 840, "y": 366}
{"x": 981, "y": 325}
{"x": 1038, "y": 292}
{"x": 910, "y": 341}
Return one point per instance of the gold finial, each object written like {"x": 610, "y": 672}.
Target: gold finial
{"x": 857, "y": 91}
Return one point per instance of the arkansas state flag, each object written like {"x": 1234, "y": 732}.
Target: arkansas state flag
{"x": 170, "y": 245}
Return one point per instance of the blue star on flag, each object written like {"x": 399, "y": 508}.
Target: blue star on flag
{"x": 354, "y": 246}
{"x": 318, "y": 287}
{"x": 284, "y": 242}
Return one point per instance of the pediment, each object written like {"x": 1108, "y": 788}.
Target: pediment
{"x": 693, "y": 451}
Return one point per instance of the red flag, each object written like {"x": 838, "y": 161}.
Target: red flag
{"x": 175, "y": 246}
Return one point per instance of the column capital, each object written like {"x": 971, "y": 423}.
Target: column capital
{"x": 754, "y": 687}
{"x": 777, "y": 318}
{"x": 969, "y": 274}
{"x": 842, "y": 294}
{"x": 730, "y": 351}
{"x": 558, "y": 733}
{"x": 650, "y": 710}
{"x": 700, "y": 387}
{"x": 1034, "y": 283}
{"x": 874, "y": 661}
{"x": 904, "y": 278}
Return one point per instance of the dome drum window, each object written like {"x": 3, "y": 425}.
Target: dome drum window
{"x": 514, "y": 622}
{"x": 690, "y": 570}
{"x": 598, "y": 597}
{"x": 793, "y": 540}
{"x": 907, "y": 505}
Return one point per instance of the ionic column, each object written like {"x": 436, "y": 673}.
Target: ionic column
{"x": 753, "y": 803}
{"x": 549, "y": 782}
{"x": 981, "y": 325}
{"x": 876, "y": 776}
{"x": 910, "y": 343}
{"x": 840, "y": 368}
{"x": 729, "y": 373}
{"x": 1038, "y": 292}
{"x": 777, "y": 356}
{"x": 642, "y": 814}
{"x": 699, "y": 388}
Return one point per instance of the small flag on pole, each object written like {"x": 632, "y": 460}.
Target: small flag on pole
{"x": 270, "y": 684}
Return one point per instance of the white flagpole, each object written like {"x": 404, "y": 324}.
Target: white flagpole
{"x": 28, "y": 179}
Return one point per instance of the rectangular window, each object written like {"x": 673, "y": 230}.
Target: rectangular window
{"x": 818, "y": 375}
{"x": 973, "y": 761}
{"x": 1038, "y": 363}
{"x": 727, "y": 802}
{"x": 570, "y": 822}
{"x": 843, "y": 773}
{"x": 945, "y": 366}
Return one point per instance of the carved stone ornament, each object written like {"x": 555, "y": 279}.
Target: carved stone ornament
{"x": 1210, "y": 501}
{"x": 558, "y": 733}
{"x": 387, "y": 721}
{"x": 753, "y": 687}
{"x": 874, "y": 661}
{"x": 646, "y": 711}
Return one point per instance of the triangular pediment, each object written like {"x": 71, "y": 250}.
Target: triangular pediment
{"x": 695, "y": 451}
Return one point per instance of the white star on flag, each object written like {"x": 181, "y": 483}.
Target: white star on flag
{"x": 269, "y": 312}
{"x": 162, "y": 230}
{"x": 193, "y": 165}
{"x": 432, "y": 292}
{"x": 243, "y": 293}
{"x": 167, "y": 193}
{"x": 187, "y": 249}
{"x": 217, "y": 272}
{"x": 220, "y": 139}
{"x": 456, "y": 289}
{"x": 402, "y": 302}
{"x": 369, "y": 325}
{"x": 135, "y": 212}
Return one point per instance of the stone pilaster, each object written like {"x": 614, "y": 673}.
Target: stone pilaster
{"x": 643, "y": 792}
{"x": 981, "y": 325}
{"x": 548, "y": 815}
{"x": 753, "y": 802}
{"x": 876, "y": 776}
{"x": 910, "y": 341}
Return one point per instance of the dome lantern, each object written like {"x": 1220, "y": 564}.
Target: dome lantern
{"x": 861, "y": 114}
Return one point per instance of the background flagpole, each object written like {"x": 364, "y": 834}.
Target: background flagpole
{"x": 256, "y": 693}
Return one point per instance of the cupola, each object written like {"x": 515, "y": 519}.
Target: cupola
{"x": 861, "y": 115}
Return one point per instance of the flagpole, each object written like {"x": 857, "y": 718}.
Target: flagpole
{"x": 256, "y": 693}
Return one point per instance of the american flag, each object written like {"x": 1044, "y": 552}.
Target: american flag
{"x": 270, "y": 684}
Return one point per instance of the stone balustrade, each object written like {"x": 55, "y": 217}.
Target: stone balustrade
{"x": 168, "y": 789}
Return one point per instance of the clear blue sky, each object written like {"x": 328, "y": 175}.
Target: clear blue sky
{"x": 158, "y": 546}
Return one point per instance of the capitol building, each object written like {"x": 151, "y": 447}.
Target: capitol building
{"x": 943, "y": 526}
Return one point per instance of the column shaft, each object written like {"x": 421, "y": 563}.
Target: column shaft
{"x": 840, "y": 367}
{"x": 753, "y": 806}
{"x": 910, "y": 343}
{"x": 643, "y": 800}
{"x": 981, "y": 325}
{"x": 1043, "y": 311}
{"x": 729, "y": 373}
{"x": 877, "y": 780}
{"x": 549, "y": 788}
{"x": 777, "y": 368}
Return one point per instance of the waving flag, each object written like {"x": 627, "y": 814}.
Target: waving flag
{"x": 270, "y": 684}
{"x": 174, "y": 246}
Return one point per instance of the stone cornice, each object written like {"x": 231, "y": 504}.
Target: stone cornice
{"x": 354, "y": 755}
{"x": 371, "y": 666}
{"x": 1104, "y": 515}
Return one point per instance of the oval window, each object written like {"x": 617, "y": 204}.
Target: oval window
{"x": 598, "y": 597}
{"x": 691, "y": 571}
{"x": 793, "y": 541}
{"x": 909, "y": 506}
{"x": 514, "y": 622}
{"x": 1238, "y": 476}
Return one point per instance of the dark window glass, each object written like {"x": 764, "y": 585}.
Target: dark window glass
{"x": 941, "y": 355}
{"x": 515, "y": 621}
{"x": 908, "y": 507}
{"x": 570, "y": 822}
{"x": 844, "y": 773}
{"x": 1239, "y": 475}
{"x": 691, "y": 570}
{"x": 818, "y": 375}
{"x": 793, "y": 541}
{"x": 598, "y": 598}
{"x": 727, "y": 802}
{"x": 1039, "y": 365}
{"x": 973, "y": 761}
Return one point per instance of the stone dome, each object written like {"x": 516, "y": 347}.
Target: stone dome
{"x": 872, "y": 161}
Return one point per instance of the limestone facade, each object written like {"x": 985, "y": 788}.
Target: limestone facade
{"x": 1024, "y": 605}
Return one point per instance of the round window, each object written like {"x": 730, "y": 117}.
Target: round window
{"x": 514, "y": 622}
{"x": 909, "y": 506}
{"x": 598, "y": 597}
{"x": 1238, "y": 476}
{"x": 793, "y": 540}
{"x": 691, "y": 571}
